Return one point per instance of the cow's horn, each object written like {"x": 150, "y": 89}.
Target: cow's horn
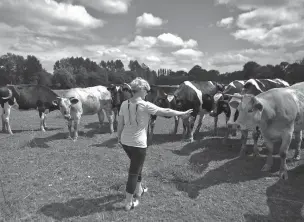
{"x": 238, "y": 96}
{"x": 127, "y": 85}
{"x": 10, "y": 94}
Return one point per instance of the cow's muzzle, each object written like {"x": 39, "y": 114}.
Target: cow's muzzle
{"x": 67, "y": 117}
{"x": 213, "y": 113}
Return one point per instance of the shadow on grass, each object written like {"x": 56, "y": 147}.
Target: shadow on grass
{"x": 234, "y": 171}
{"x": 111, "y": 143}
{"x": 285, "y": 199}
{"x": 42, "y": 142}
{"x": 165, "y": 138}
{"x": 81, "y": 207}
{"x": 33, "y": 130}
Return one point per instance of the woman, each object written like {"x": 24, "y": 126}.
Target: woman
{"x": 132, "y": 127}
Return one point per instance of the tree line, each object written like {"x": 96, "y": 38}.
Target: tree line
{"x": 79, "y": 72}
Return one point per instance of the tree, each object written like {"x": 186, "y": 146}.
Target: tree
{"x": 250, "y": 69}
{"x": 31, "y": 67}
{"x": 197, "y": 73}
{"x": 12, "y": 68}
{"x": 63, "y": 79}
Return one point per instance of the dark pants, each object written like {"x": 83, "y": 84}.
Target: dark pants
{"x": 137, "y": 157}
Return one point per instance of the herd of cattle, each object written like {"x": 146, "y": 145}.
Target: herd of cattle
{"x": 270, "y": 107}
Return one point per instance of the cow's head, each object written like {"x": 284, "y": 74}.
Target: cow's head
{"x": 251, "y": 87}
{"x": 119, "y": 93}
{"x": 221, "y": 104}
{"x": 186, "y": 98}
{"x": 8, "y": 97}
{"x": 208, "y": 102}
{"x": 65, "y": 105}
{"x": 249, "y": 110}
{"x": 220, "y": 87}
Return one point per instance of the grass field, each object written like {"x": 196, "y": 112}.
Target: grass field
{"x": 46, "y": 177}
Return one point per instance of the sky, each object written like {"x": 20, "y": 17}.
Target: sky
{"x": 171, "y": 34}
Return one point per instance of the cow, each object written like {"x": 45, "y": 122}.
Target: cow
{"x": 279, "y": 113}
{"x": 119, "y": 93}
{"x": 196, "y": 95}
{"x": 26, "y": 97}
{"x": 252, "y": 87}
{"x": 85, "y": 101}
{"x": 162, "y": 96}
{"x": 221, "y": 104}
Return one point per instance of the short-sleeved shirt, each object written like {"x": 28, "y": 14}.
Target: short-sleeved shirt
{"x": 136, "y": 120}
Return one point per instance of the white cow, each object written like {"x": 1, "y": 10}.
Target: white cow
{"x": 279, "y": 113}
{"x": 85, "y": 101}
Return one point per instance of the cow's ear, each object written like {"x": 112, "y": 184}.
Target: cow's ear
{"x": 74, "y": 100}
{"x": 226, "y": 97}
{"x": 234, "y": 104}
{"x": 55, "y": 102}
{"x": 257, "y": 105}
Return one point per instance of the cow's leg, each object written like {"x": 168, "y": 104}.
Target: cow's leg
{"x": 269, "y": 160}
{"x": 76, "y": 126}
{"x": 47, "y": 111}
{"x": 233, "y": 130}
{"x": 42, "y": 117}
{"x": 100, "y": 118}
{"x": 191, "y": 127}
{"x": 256, "y": 134}
{"x": 70, "y": 122}
{"x": 110, "y": 117}
{"x": 215, "y": 125}
{"x": 185, "y": 127}
{"x": 151, "y": 128}
{"x": 6, "y": 117}
{"x": 244, "y": 141}
{"x": 176, "y": 121}
{"x": 199, "y": 125}
{"x": 3, "y": 122}
{"x": 228, "y": 130}
{"x": 286, "y": 140}
{"x": 298, "y": 141}
{"x": 115, "y": 111}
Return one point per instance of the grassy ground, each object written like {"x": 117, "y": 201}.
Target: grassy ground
{"x": 46, "y": 177}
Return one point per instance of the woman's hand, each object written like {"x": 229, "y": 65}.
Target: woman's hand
{"x": 187, "y": 113}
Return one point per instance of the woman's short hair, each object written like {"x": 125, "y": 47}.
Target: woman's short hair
{"x": 138, "y": 84}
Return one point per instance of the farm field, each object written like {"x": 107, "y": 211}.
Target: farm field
{"x": 46, "y": 177}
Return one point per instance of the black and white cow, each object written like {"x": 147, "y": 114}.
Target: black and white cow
{"x": 252, "y": 87}
{"x": 119, "y": 93}
{"x": 199, "y": 97}
{"x": 26, "y": 97}
{"x": 221, "y": 104}
{"x": 162, "y": 96}
{"x": 77, "y": 102}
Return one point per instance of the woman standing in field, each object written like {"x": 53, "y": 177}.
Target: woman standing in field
{"x": 132, "y": 127}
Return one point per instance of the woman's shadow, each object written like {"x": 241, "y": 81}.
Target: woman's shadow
{"x": 81, "y": 207}
{"x": 285, "y": 199}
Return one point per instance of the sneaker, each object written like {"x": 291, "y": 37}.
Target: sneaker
{"x": 130, "y": 206}
{"x": 145, "y": 190}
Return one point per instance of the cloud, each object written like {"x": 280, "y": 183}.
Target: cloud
{"x": 143, "y": 42}
{"x": 235, "y": 59}
{"x": 168, "y": 39}
{"x": 163, "y": 40}
{"x": 153, "y": 58}
{"x": 38, "y": 12}
{"x": 251, "y": 4}
{"x": 147, "y": 20}
{"x": 188, "y": 53}
{"x": 108, "y": 6}
{"x": 270, "y": 24}
{"x": 225, "y": 22}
